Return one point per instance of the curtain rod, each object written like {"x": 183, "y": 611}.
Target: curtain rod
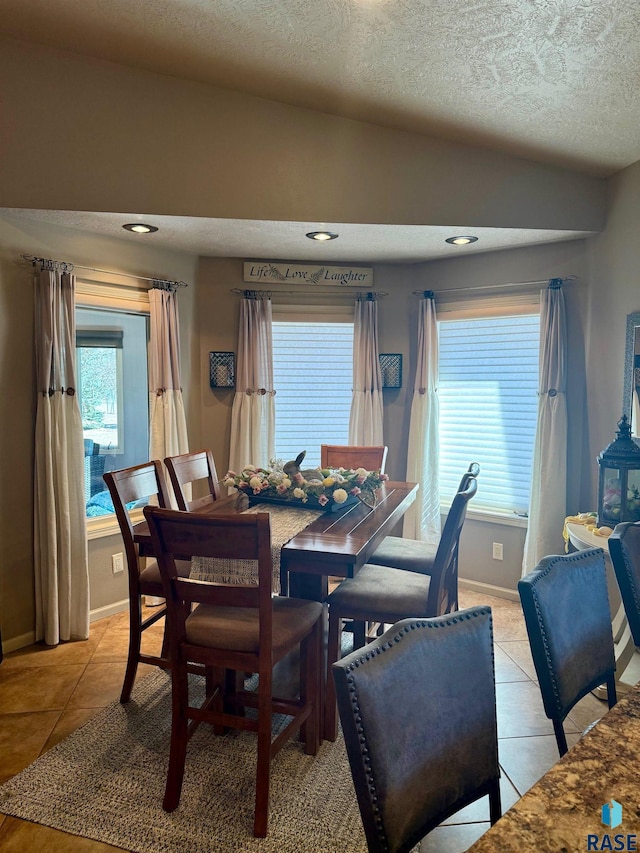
{"x": 67, "y": 267}
{"x": 470, "y": 289}
{"x": 255, "y": 294}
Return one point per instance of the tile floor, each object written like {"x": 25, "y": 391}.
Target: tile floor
{"x": 45, "y": 693}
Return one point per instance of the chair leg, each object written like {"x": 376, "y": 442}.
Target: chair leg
{"x": 261, "y": 817}
{"x": 333, "y": 653}
{"x": 560, "y": 737}
{"x": 179, "y": 736}
{"x": 612, "y": 696}
{"x": 135, "y": 638}
{"x": 311, "y": 670}
{"x": 495, "y": 802}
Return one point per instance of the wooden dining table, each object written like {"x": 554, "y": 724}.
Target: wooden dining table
{"x": 335, "y": 544}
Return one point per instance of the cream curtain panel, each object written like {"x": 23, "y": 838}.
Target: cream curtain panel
{"x": 548, "y": 504}
{"x": 253, "y": 415}
{"x": 422, "y": 521}
{"x": 365, "y": 419}
{"x": 167, "y": 422}
{"x": 60, "y": 537}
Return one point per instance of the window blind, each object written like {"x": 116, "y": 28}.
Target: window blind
{"x": 313, "y": 377}
{"x": 488, "y": 392}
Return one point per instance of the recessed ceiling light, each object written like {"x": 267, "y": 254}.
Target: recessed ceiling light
{"x": 140, "y": 228}
{"x": 461, "y": 240}
{"x": 321, "y": 235}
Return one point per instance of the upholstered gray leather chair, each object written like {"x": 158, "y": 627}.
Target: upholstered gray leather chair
{"x": 384, "y": 594}
{"x": 411, "y": 554}
{"x": 566, "y": 611}
{"x": 418, "y": 712}
{"x": 624, "y": 547}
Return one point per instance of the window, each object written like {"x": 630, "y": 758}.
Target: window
{"x": 488, "y": 407}
{"x": 313, "y": 377}
{"x": 111, "y": 361}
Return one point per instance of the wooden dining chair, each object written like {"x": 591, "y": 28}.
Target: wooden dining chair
{"x": 127, "y": 487}
{"x": 624, "y": 548}
{"x": 352, "y": 456}
{"x": 412, "y": 555}
{"x": 235, "y": 627}
{"x": 190, "y": 468}
{"x": 418, "y": 713}
{"x": 566, "y": 613}
{"x": 385, "y": 595}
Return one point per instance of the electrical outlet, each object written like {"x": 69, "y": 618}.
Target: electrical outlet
{"x": 117, "y": 563}
{"x": 497, "y": 551}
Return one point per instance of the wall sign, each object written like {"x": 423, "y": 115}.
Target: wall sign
{"x": 267, "y": 272}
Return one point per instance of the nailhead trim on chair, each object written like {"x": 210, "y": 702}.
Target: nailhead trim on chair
{"x": 570, "y": 558}
{"x": 369, "y": 655}
{"x": 630, "y": 573}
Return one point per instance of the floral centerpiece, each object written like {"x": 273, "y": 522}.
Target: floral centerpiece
{"x": 325, "y": 488}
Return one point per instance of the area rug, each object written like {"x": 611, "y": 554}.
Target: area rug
{"x": 106, "y": 782}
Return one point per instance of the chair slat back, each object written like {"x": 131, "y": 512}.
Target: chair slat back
{"x": 443, "y": 589}
{"x": 134, "y": 484}
{"x": 624, "y": 547}
{"x": 190, "y": 468}
{"x": 242, "y": 537}
{"x": 353, "y": 456}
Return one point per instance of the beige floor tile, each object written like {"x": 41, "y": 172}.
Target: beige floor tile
{"x": 22, "y": 737}
{"x": 524, "y": 760}
{"x": 67, "y": 723}
{"x": 508, "y": 621}
{"x": 114, "y": 645}
{"x": 520, "y": 652}
{"x": 19, "y": 836}
{"x": 43, "y": 688}
{"x": 587, "y": 710}
{"x": 506, "y": 668}
{"x": 101, "y": 684}
{"x": 452, "y": 839}
{"x": 520, "y": 711}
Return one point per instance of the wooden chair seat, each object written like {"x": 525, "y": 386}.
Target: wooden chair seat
{"x": 237, "y": 629}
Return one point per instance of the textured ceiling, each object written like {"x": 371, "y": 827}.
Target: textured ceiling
{"x": 237, "y": 238}
{"x": 552, "y": 80}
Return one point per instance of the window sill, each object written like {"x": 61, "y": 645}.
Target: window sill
{"x": 107, "y": 525}
{"x": 489, "y": 517}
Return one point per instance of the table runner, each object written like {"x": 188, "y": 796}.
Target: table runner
{"x": 286, "y": 522}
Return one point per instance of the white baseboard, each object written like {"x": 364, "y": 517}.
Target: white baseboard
{"x": 109, "y": 610}
{"x": 489, "y": 589}
{"x": 15, "y": 643}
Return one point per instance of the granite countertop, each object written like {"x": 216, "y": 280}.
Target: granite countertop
{"x": 565, "y": 805}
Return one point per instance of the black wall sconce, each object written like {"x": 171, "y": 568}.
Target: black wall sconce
{"x": 222, "y": 369}
{"x": 391, "y": 369}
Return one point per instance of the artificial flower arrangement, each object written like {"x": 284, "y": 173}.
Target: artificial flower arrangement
{"x": 325, "y": 488}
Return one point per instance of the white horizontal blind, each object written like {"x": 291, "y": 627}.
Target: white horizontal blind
{"x": 488, "y": 391}
{"x": 313, "y": 378}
